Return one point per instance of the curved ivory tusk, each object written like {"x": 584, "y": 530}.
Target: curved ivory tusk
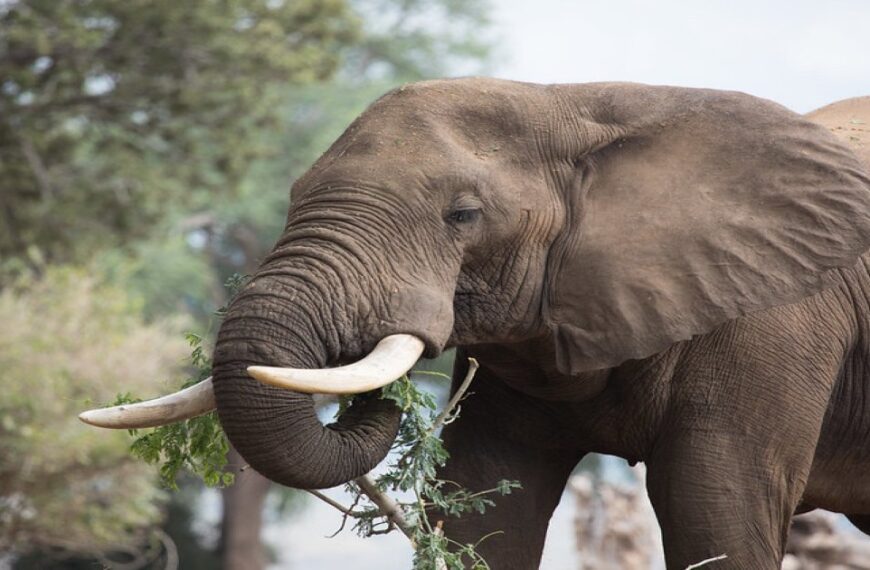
{"x": 185, "y": 404}
{"x": 393, "y": 356}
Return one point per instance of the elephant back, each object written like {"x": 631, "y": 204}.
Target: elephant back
{"x": 848, "y": 119}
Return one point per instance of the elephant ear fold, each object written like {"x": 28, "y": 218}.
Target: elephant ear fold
{"x": 704, "y": 206}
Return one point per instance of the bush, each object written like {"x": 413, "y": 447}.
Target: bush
{"x": 67, "y": 341}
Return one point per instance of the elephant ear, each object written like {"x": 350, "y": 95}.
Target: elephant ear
{"x": 690, "y": 208}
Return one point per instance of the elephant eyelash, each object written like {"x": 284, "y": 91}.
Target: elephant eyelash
{"x": 463, "y": 216}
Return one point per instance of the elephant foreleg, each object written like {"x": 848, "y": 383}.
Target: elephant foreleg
{"x": 732, "y": 460}
{"x": 502, "y": 434}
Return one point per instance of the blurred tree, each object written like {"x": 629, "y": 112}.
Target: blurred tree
{"x": 113, "y": 111}
{"x": 65, "y": 338}
{"x": 160, "y": 137}
{"x": 115, "y": 114}
{"x": 398, "y": 41}
{"x": 419, "y": 39}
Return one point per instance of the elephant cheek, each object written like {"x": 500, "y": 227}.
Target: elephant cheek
{"x": 425, "y": 312}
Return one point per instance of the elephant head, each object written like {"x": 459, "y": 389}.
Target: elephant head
{"x": 607, "y": 221}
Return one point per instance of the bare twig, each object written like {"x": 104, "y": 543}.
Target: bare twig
{"x": 347, "y": 515}
{"x": 457, "y": 397}
{"x": 332, "y": 503}
{"x": 707, "y": 561}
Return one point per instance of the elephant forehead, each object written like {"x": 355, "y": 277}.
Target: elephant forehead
{"x": 473, "y": 114}
{"x": 427, "y": 158}
{"x": 399, "y": 169}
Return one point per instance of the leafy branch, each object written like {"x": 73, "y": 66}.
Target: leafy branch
{"x": 198, "y": 445}
{"x": 420, "y": 453}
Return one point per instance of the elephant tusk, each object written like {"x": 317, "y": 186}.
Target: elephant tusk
{"x": 393, "y": 356}
{"x": 182, "y": 405}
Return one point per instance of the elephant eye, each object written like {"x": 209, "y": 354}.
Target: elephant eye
{"x": 463, "y": 216}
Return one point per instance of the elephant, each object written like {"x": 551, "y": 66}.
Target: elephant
{"x": 670, "y": 275}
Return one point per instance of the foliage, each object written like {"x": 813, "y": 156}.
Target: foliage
{"x": 420, "y": 453}
{"x": 112, "y": 111}
{"x": 67, "y": 337}
{"x": 199, "y": 444}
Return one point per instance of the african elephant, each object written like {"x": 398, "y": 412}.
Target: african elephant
{"x": 669, "y": 275}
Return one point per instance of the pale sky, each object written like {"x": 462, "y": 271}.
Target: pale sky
{"x": 801, "y": 53}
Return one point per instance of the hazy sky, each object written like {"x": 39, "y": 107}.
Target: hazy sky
{"x": 801, "y": 53}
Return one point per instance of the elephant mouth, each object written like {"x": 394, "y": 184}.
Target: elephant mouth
{"x": 392, "y": 357}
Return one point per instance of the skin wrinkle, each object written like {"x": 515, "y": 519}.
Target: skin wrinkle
{"x": 502, "y": 286}
{"x": 850, "y": 399}
{"x": 328, "y": 265}
{"x": 333, "y": 247}
{"x": 305, "y": 297}
{"x": 337, "y": 265}
{"x": 316, "y": 278}
{"x": 373, "y": 242}
{"x": 302, "y": 300}
{"x": 511, "y": 300}
{"x": 291, "y": 339}
{"x": 355, "y": 214}
{"x": 346, "y": 245}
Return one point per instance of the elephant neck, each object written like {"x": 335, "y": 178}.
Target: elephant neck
{"x": 528, "y": 367}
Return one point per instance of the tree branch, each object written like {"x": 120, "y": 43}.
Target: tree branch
{"x": 37, "y": 167}
{"x": 388, "y": 506}
{"x": 457, "y": 397}
{"x": 332, "y": 503}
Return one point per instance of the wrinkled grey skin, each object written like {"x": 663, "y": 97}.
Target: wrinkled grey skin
{"x": 668, "y": 275}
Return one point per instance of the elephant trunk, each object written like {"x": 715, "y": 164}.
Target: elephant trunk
{"x": 279, "y": 321}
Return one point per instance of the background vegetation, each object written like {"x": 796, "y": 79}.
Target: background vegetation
{"x": 146, "y": 152}
{"x": 66, "y": 337}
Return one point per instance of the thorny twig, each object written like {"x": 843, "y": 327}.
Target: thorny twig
{"x": 387, "y": 505}
{"x": 350, "y": 512}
